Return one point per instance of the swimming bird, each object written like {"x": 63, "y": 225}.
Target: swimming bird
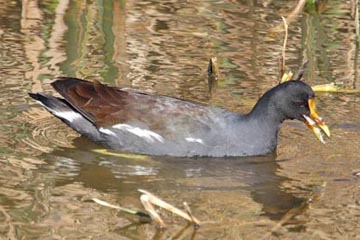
{"x": 132, "y": 121}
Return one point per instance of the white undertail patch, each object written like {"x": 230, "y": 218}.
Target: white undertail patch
{"x": 67, "y": 115}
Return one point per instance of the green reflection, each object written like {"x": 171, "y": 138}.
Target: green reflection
{"x": 90, "y": 41}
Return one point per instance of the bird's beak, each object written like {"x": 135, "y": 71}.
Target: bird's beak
{"x": 316, "y": 123}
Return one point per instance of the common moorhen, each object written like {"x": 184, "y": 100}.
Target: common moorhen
{"x": 128, "y": 120}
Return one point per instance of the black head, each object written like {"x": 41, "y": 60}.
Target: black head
{"x": 290, "y": 100}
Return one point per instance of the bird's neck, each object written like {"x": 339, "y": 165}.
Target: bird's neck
{"x": 265, "y": 111}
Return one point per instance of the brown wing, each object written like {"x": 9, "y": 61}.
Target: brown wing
{"x": 105, "y": 106}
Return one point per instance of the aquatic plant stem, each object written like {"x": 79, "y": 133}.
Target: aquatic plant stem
{"x": 158, "y": 202}
{"x": 283, "y": 52}
{"x": 122, "y": 209}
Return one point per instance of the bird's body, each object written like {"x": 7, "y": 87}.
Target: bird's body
{"x": 133, "y": 121}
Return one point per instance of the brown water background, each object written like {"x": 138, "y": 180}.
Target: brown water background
{"x": 306, "y": 190}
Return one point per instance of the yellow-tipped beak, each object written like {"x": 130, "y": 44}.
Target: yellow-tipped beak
{"x": 316, "y": 123}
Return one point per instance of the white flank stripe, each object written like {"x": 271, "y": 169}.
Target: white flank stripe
{"x": 107, "y": 131}
{"x": 198, "y": 140}
{"x": 144, "y": 133}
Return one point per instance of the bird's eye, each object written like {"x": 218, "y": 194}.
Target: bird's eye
{"x": 300, "y": 104}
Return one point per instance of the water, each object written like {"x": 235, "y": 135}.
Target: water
{"x": 48, "y": 174}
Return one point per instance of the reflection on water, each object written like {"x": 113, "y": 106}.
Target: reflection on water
{"x": 48, "y": 174}
{"x": 181, "y": 178}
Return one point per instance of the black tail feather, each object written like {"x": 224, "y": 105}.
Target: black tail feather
{"x": 51, "y": 103}
{"x": 65, "y": 112}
